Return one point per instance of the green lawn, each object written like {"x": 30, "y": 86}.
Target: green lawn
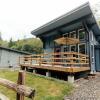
{"x": 46, "y": 88}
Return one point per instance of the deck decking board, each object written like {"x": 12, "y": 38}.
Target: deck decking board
{"x": 72, "y": 69}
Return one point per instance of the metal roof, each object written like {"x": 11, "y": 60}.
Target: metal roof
{"x": 13, "y": 50}
{"x": 78, "y": 13}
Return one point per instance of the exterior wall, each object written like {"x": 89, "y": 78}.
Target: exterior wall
{"x": 9, "y": 58}
{"x": 48, "y": 46}
{"x": 49, "y": 43}
{"x": 93, "y": 42}
{"x": 90, "y": 42}
{"x": 96, "y": 55}
{"x": 97, "y": 59}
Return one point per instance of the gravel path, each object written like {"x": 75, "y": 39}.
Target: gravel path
{"x": 86, "y": 89}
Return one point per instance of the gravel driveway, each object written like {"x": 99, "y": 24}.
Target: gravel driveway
{"x": 86, "y": 89}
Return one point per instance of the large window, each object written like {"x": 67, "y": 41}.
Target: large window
{"x": 81, "y": 34}
{"x": 82, "y": 48}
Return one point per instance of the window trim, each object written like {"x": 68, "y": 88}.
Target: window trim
{"x": 79, "y": 33}
{"x": 64, "y": 35}
{"x": 73, "y": 32}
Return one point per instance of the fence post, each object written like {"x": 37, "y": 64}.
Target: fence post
{"x": 21, "y": 81}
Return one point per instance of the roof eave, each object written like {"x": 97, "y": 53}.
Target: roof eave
{"x": 47, "y": 26}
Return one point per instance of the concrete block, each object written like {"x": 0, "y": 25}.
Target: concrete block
{"x": 34, "y": 71}
{"x": 71, "y": 78}
{"x": 48, "y": 74}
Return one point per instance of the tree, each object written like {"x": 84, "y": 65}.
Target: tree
{"x": 32, "y": 45}
{"x": 28, "y": 48}
{"x": 3, "y": 43}
{"x": 11, "y": 43}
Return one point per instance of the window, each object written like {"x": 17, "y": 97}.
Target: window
{"x": 73, "y": 34}
{"x": 82, "y": 48}
{"x": 66, "y": 48}
{"x": 73, "y": 48}
{"x": 66, "y": 35}
{"x": 82, "y": 34}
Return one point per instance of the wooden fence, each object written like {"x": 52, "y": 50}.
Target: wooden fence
{"x": 19, "y": 87}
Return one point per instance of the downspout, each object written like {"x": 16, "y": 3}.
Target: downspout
{"x": 92, "y": 59}
{"x": 91, "y": 49}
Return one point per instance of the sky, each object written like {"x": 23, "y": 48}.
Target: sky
{"x": 19, "y": 17}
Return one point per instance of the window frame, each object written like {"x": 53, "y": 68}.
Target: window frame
{"x": 79, "y": 47}
{"x": 79, "y": 33}
{"x": 73, "y": 32}
{"x": 66, "y": 35}
{"x": 75, "y": 48}
{"x": 64, "y": 47}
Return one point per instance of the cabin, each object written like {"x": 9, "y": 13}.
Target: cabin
{"x": 71, "y": 44}
{"x": 9, "y": 57}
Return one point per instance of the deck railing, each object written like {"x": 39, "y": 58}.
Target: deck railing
{"x": 61, "y": 58}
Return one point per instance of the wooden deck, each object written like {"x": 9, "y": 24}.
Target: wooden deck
{"x": 57, "y": 68}
{"x": 70, "y": 62}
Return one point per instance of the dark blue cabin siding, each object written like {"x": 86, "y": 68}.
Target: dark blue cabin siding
{"x": 49, "y": 43}
{"x": 81, "y": 16}
{"x": 97, "y": 59}
{"x": 92, "y": 42}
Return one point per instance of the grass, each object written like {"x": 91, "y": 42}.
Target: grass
{"x": 46, "y": 88}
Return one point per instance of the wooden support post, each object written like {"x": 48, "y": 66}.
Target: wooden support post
{"x": 21, "y": 90}
{"x": 21, "y": 81}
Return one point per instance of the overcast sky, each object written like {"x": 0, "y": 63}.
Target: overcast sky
{"x": 19, "y": 17}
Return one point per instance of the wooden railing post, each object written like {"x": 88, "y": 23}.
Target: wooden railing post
{"x": 21, "y": 81}
{"x": 31, "y": 60}
{"x": 40, "y": 60}
{"x": 19, "y": 60}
